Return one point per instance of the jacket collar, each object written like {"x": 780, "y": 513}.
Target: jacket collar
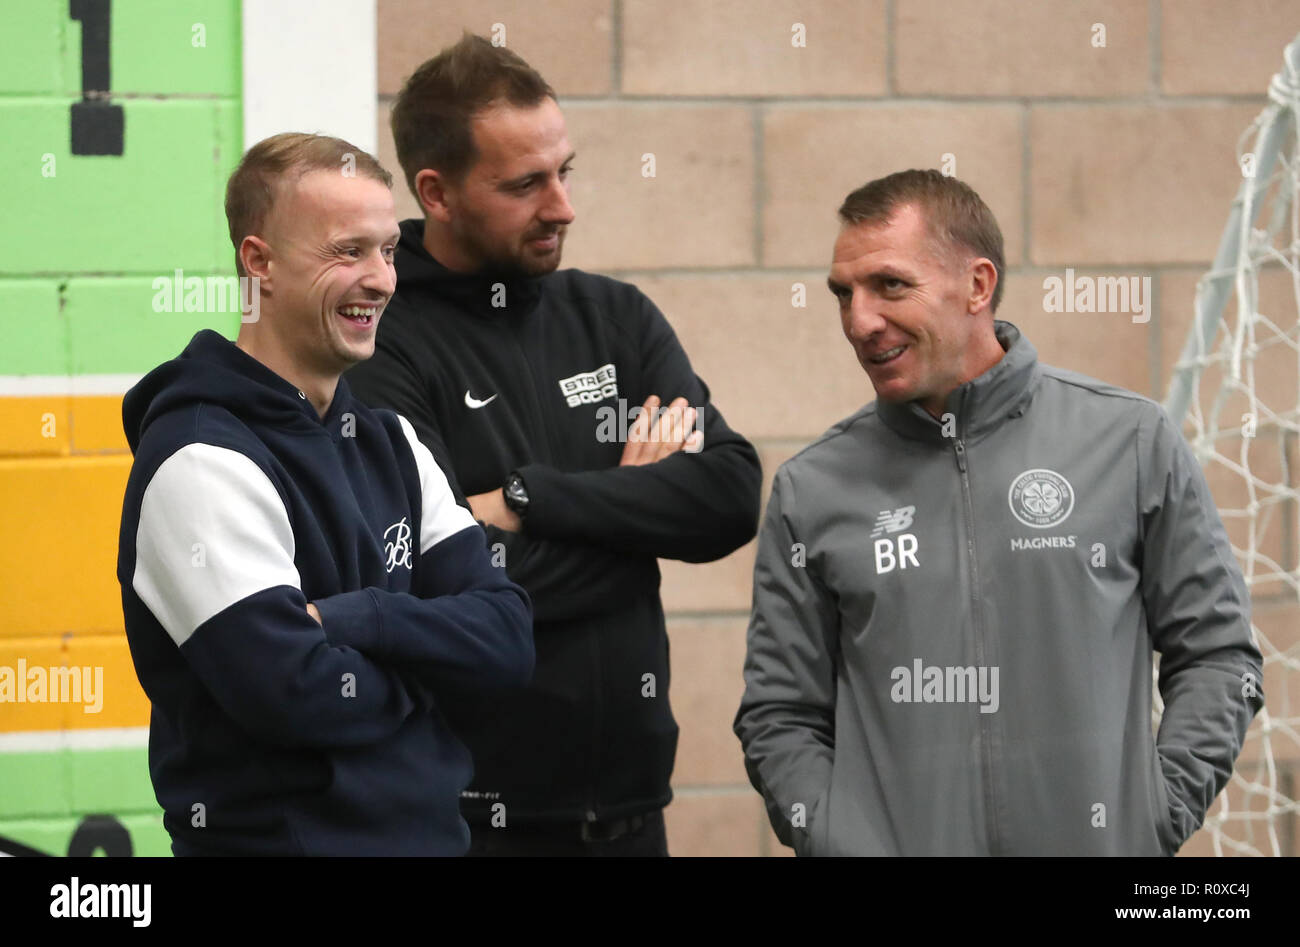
{"x": 982, "y": 403}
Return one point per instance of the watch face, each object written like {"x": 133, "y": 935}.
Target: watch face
{"x": 516, "y": 496}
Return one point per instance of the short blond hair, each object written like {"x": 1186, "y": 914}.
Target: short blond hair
{"x": 251, "y": 190}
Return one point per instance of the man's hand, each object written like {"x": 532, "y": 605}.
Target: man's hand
{"x": 311, "y": 610}
{"x": 647, "y": 444}
{"x": 490, "y": 508}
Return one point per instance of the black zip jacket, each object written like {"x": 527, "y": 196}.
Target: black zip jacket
{"x": 527, "y": 375}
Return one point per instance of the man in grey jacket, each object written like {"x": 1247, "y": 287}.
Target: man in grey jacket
{"x": 959, "y": 587}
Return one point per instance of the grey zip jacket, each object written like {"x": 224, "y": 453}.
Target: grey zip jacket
{"x": 950, "y": 651}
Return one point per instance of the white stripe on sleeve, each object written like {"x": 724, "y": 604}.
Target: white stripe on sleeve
{"x": 442, "y": 516}
{"x": 213, "y": 531}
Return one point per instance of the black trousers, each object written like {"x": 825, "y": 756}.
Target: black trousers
{"x": 565, "y": 840}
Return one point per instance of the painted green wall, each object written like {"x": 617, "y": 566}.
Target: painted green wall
{"x": 84, "y": 236}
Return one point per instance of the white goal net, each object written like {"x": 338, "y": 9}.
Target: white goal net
{"x": 1236, "y": 391}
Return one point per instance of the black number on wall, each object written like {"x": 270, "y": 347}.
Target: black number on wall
{"x": 97, "y": 124}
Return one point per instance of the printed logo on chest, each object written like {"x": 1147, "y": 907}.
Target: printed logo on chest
{"x": 891, "y": 553}
{"x": 397, "y": 545}
{"x": 590, "y": 387}
{"x": 1041, "y": 499}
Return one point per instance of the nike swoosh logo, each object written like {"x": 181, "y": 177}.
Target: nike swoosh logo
{"x": 472, "y": 402}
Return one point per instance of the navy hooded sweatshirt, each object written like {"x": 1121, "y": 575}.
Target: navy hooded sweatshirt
{"x": 270, "y": 733}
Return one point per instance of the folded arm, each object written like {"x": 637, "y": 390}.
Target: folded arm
{"x": 215, "y": 566}
{"x": 466, "y": 620}
{"x": 564, "y": 580}
{"x": 695, "y": 506}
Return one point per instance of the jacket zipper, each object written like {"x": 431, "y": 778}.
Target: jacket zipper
{"x": 544, "y": 419}
{"x": 595, "y": 727}
{"x": 986, "y": 737}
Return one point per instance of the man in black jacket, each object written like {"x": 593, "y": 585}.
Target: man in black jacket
{"x": 519, "y": 379}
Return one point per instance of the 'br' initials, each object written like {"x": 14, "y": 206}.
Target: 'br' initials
{"x": 887, "y": 559}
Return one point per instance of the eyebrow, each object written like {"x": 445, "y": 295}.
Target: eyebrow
{"x": 885, "y": 272}
{"x": 523, "y": 178}
{"x": 349, "y": 239}
{"x": 890, "y": 272}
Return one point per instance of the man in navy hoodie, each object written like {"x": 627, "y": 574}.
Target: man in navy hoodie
{"x": 299, "y": 585}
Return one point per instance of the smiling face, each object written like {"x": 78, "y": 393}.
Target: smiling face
{"x": 915, "y": 312}
{"x": 329, "y": 271}
{"x": 509, "y": 212}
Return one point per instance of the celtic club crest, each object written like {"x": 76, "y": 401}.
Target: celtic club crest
{"x": 1041, "y": 498}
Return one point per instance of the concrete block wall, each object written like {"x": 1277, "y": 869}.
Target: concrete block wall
{"x": 1113, "y": 160}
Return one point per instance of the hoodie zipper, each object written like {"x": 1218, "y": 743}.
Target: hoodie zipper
{"x": 977, "y": 614}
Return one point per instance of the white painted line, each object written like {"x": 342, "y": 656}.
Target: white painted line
{"x": 109, "y": 738}
{"x": 30, "y": 385}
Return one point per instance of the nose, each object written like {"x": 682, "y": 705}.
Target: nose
{"x": 380, "y": 276}
{"x": 558, "y": 210}
{"x": 862, "y": 318}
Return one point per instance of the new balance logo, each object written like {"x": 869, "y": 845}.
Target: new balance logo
{"x": 888, "y": 555}
{"x": 472, "y": 402}
{"x": 893, "y": 521}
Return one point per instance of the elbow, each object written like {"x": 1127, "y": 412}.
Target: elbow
{"x": 517, "y": 669}
{"x": 743, "y": 517}
{"x": 1252, "y": 679}
{"x": 518, "y": 654}
{"x": 521, "y": 671}
{"x": 732, "y": 528}
{"x": 743, "y": 523}
{"x": 277, "y": 721}
{"x": 729, "y": 537}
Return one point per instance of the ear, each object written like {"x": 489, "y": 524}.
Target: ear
{"x": 984, "y": 280}
{"x": 431, "y": 190}
{"x": 255, "y": 254}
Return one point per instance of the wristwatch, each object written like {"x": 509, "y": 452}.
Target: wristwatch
{"x": 516, "y": 494}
